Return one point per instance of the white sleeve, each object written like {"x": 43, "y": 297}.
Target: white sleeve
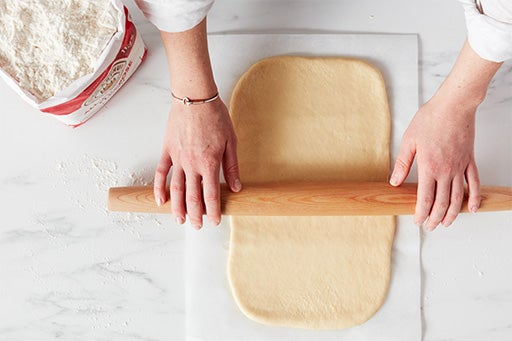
{"x": 175, "y": 15}
{"x": 490, "y": 32}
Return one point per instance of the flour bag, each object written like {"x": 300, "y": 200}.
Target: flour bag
{"x": 68, "y": 58}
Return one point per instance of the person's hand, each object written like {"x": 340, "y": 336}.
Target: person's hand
{"x": 199, "y": 140}
{"x": 441, "y": 137}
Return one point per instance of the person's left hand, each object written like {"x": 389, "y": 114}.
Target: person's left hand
{"x": 441, "y": 137}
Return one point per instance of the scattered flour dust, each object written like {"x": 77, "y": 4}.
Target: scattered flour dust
{"x": 87, "y": 179}
{"x": 47, "y": 44}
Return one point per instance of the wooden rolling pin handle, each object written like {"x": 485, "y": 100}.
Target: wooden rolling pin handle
{"x": 308, "y": 199}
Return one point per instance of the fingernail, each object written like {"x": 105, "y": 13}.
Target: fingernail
{"x": 196, "y": 227}
{"x": 420, "y": 224}
{"x": 180, "y": 220}
{"x": 430, "y": 228}
{"x": 159, "y": 201}
{"x": 216, "y": 222}
{"x": 474, "y": 209}
{"x": 394, "y": 179}
{"x": 237, "y": 185}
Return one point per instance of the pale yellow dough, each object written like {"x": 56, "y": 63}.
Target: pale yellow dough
{"x": 311, "y": 119}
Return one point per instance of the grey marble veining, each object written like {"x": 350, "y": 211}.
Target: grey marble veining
{"x": 70, "y": 270}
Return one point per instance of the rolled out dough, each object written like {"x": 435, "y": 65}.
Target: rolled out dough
{"x": 311, "y": 119}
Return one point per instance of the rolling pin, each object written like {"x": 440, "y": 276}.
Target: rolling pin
{"x": 308, "y": 199}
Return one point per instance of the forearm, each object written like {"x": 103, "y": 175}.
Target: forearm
{"x": 469, "y": 79}
{"x": 189, "y": 62}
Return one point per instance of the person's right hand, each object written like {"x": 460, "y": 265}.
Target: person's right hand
{"x": 199, "y": 140}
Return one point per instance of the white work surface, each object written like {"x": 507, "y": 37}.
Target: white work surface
{"x": 71, "y": 271}
{"x": 211, "y": 310}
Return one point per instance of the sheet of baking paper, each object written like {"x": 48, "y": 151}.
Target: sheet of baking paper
{"x": 211, "y": 312}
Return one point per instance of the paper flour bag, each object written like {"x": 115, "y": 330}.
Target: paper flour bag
{"x": 68, "y": 58}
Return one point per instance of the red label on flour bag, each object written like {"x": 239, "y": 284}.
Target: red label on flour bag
{"x": 79, "y": 101}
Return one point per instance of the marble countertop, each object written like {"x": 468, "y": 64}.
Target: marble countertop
{"x": 70, "y": 270}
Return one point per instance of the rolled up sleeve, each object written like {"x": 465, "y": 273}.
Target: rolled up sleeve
{"x": 490, "y": 32}
{"x": 175, "y": 15}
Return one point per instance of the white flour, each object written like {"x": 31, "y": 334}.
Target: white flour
{"x": 47, "y": 44}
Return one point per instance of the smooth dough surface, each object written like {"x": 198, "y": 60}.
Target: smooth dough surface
{"x": 311, "y": 119}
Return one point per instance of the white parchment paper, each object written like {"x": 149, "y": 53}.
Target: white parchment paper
{"x": 211, "y": 312}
